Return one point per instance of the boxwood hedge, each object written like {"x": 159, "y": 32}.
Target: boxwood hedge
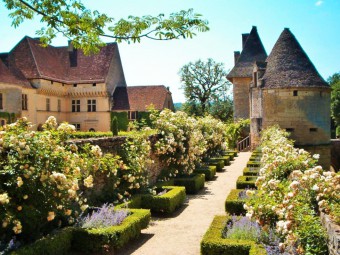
{"x": 244, "y": 182}
{"x": 233, "y": 204}
{"x": 192, "y": 183}
{"x": 251, "y": 171}
{"x": 213, "y": 243}
{"x": 218, "y": 163}
{"x": 208, "y": 171}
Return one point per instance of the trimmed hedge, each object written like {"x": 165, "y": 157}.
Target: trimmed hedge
{"x": 208, "y": 171}
{"x": 226, "y": 159}
{"x": 134, "y": 203}
{"x": 213, "y": 243}
{"x": 218, "y": 163}
{"x": 59, "y": 243}
{"x": 248, "y": 172}
{"x": 253, "y": 164}
{"x": 95, "y": 240}
{"x": 234, "y": 205}
{"x": 192, "y": 183}
{"x": 123, "y": 120}
{"x": 88, "y": 134}
{"x": 244, "y": 182}
{"x": 234, "y": 152}
{"x": 166, "y": 203}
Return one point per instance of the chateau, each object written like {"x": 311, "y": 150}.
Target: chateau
{"x": 285, "y": 89}
{"x": 37, "y": 82}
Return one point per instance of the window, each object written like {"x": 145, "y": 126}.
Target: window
{"x": 313, "y": 130}
{"x": 76, "y": 105}
{"x": 2, "y": 122}
{"x": 59, "y": 105}
{"x": 290, "y": 130}
{"x": 1, "y": 102}
{"x": 132, "y": 115}
{"x": 94, "y": 84}
{"x": 24, "y": 102}
{"x": 295, "y": 93}
{"x": 48, "y": 104}
{"x": 75, "y": 85}
{"x": 51, "y": 82}
{"x": 255, "y": 79}
{"x": 91, "y": 105}
{"x": 77, "y": 126}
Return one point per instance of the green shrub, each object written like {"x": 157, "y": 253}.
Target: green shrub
{"x": 192, "y": 183}
{"x": 88, "y": 134}
{"x": 134, "y": 203}
{"x": 170, "y": 182}
{"x": 226, "y": 159}
{"x": 213, "y": 243}
{"x": 248, "y": 172}
{"x": 166, "y": 203}
{"x": 253, "y": 164}
{"x": 233, "y": 152}
{"x": 208, "y": 171}
{"x": 89, "y": 241}
{"x": 59, "y": 243}
{"x": 244, "y": 182}
{"x": 218, "y": 163}
{"x": 233, "y": 204}
{"x": 122, "y": 118}
{"x": 114, "y": 126}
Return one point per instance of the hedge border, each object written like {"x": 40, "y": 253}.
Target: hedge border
{"x": 234, "y": 152}
{"x": 253, "y": 163}
{"x": 166, "y": 203}
{"x": 218, "y": 163}
{"x": 94, "y": 240}
{"x": 213, "y": 243}
{"x": 208, "y": 171}
{"x": 192, "y": 183}
{"x": 226, "y": 159}
{"x": 233, "y": 205}
{"x": 242, "y": 182}
{"x": 248, "y": 172}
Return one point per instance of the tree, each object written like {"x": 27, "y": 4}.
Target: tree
{"x": 86, "y": 28}
{"x": 205, "y": 89}
{"x": 334, "y": 82}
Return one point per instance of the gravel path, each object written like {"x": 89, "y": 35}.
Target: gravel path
{"x": 182, "y": 233}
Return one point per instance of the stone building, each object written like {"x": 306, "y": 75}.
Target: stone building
{"x": 242, "y": 73}
{"x": 288, "y": 90}
{"x": 37, "y": 82}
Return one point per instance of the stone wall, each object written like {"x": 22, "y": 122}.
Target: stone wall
{"x": 241, "y": 97}
{"x": 113, "y": 145}
{"x": 333, "y": 232}
{"x": 323, "y": 150}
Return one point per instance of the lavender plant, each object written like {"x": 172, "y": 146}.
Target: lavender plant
{"x": 104, "y": 216}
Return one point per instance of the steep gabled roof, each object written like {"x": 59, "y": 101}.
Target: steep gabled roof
{"x": 54, "y": 63}
{"x": 137, "y": 98}
{"x": 253, "y": 50}
{"x": 289, "y": 66}
{"x": 6, "y": 76}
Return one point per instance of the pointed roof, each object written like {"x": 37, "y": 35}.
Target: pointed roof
{"x": 253, "y": 50}
{"x": 289, "y": 66}
{"x": 54, "y": 63}
{"x": 137, "y": 98}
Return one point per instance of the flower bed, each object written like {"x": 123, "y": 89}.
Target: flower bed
{"x": 213, "y": 243}
{"x": 235, "y": 201}
{"x": 165, "y": 203}
{"x": 96, "y": 240}
{"x": 192, "y": 183}
{"x": 208, "y": 171}
{"x": 244, "y": 182}
{"x": 251, "y": 171}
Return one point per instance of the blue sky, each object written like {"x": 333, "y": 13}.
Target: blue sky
{"x": 316, "y": 25}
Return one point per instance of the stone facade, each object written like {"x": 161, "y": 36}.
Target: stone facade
{"x": 333, "y": 232}
{"x": 241, "y": 97}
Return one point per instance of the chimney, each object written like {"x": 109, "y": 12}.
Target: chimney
{"x": 244, "y": 39}
{"x": 72, "y": 53}
{"x": 236, "y": 56}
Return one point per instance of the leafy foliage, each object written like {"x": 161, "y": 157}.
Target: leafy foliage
{"x": 86, "y": 28}
{"x": 205, "y": 87}
{"x": 334, "y": 81}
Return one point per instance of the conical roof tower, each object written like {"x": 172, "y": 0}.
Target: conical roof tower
{"x": 289, "y": 66}
{"x": 253, "y": 50}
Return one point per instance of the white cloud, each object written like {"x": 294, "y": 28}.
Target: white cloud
{"x": 318, "y": 3}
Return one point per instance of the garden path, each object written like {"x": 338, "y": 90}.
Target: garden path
{"x": 181, "y": 234}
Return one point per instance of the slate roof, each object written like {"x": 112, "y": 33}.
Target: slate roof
{"x": 136, "y": 98}
{"x": 55, "y": 63}
{"x": 6, "y": 76}
{"x": 289, "y": 66}
{"x": 253, "y": 50}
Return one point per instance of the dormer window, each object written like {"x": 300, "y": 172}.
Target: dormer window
{"x": 94, "y": 84}
{"x": 75, "y": 85}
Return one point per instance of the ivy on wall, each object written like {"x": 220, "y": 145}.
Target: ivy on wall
{"x": 10, "y": 117}
{"x": 122, "y": 118}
